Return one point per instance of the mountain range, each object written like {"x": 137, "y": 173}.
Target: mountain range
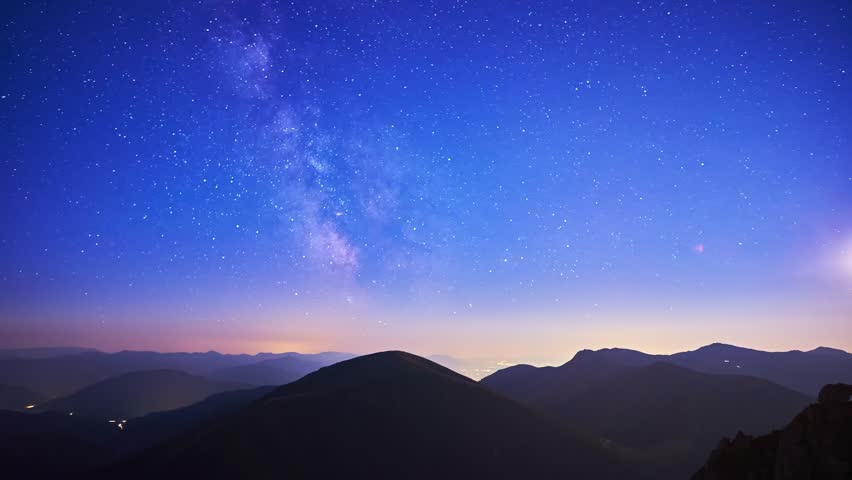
{"x": 804, "y": 372}
{"x": 278, "y": 371}
{"x": 611, "y": 413}
{"x": 654, "y": 410}
{"x": 386, "y": 415}
{"x": 138, "y": 393}
{"x": 55, "y": 376}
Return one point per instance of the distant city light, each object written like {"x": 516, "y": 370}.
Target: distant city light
{"x": 29, "y": 407}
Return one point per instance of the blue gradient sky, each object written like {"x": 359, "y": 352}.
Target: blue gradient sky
{"x": 508, "y": 179}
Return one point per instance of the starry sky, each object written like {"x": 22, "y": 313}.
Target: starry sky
{"x": 505, "y": 179}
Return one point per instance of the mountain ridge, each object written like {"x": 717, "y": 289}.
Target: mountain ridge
{"x": 647, "y": 405}
{"x": 395, "y": 415}
{"x": 138, "y": 393}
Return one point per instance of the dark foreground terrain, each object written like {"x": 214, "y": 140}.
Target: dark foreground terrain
{"x": 816, "y": 445}
{"x": 605, "y": 414}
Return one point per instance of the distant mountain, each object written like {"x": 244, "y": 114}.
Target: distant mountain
{"x": 535, "y": 385}
{"x": 834, "y": 352}
{"x": 804, "y": 372}
{"x": 278, "y": 371}
{"x": 386, "y": 415}
{"x": 63, "y": 375}
{"x": 56, "y": 445}
{"x": 43, "y": 352}
{"x": 661, "y": 412}
{"x": 18, "y": 398}
{"x": 816, "y": 445}
{"x": 138, "y": 393}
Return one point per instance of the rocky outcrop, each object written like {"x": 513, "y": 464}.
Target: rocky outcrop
{"x": 817, "y": 445}
{"x": 743, "y": 458}
{"x": 835, "y": 392}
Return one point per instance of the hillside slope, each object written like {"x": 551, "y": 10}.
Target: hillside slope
{"x": 138, "y": 393}
{"x": 386, "y": 415}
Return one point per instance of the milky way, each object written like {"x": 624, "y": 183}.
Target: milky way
{"x": 364, "y": 175}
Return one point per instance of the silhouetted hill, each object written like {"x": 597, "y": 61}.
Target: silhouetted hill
{"x": 830, "y": 351}
{"x": 155, "y": 427}
{"x": 674, "y": 414}
{"x": 662, "y": 412}
{"x": 534, "y": 385}
{"x": 17, "y": 398}
{"x": 804, "y": 372}
{"x": 43, "y": 352}
{"x": 386, "y": 415}
{"x": 54, "y": 445}
{"x": 816, "y": 445}
{"x": 278, "y": 371}
{"x": 138, "y": 393}
{"x": 63, "y": 375}
{"x": 625, "y": 357}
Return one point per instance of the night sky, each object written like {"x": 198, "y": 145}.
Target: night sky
{"x": 482, "y": 179}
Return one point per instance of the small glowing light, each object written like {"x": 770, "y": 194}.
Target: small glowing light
{"x": 699, "y": 249}
{"x": 112, "y": 421}
{"x": 70, "y": 413}
{"x": 29, "y": 407}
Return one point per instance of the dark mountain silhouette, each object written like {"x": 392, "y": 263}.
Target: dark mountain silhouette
{"x": 57, "y": 445}
{"x": 835, "y": 392}
{"x": 675, "y": 415}
{"x": 18, "y": 398}
{"x": 662, "y": 412}
{"x": 278, "y": 371}
{"x": 63, "y": 375}
{"x": 155, "y": 427}
{"x": 816, "y": 445}
{"x": 54, "y": 445}
{"x": 43, "y": 352}
{"x": 138, "y": 393}
{"x": 386, "y": 415}
{"x": 610, "y": 413}
{"x": 804, "y": 372}
{"x": 540, "y": 384}
{"x": 830, "y": 351}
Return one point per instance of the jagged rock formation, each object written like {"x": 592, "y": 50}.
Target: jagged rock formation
{"x": 817, "y": 445}
{"x": 835, "y": 392}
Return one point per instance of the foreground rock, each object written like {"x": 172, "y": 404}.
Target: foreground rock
{"x": 816, "y": 445}
{"x": 835, "y": 392}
